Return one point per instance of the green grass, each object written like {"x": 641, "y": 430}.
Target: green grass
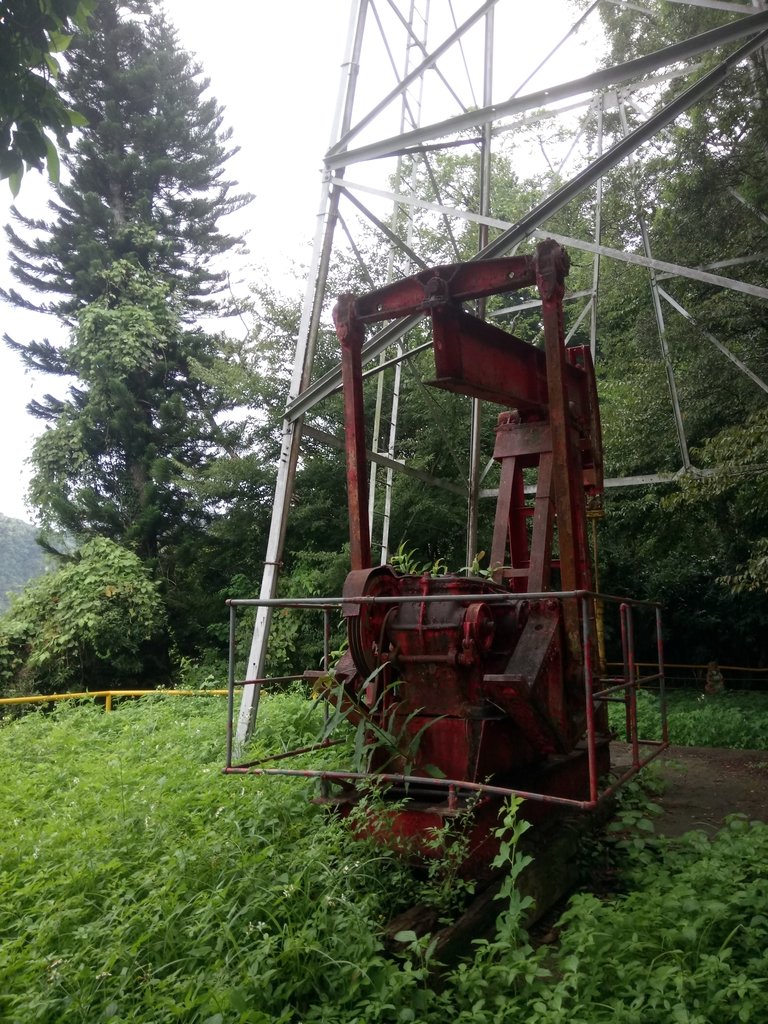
{"x": 734, "y": 718}
{"x": 139, "y": 884}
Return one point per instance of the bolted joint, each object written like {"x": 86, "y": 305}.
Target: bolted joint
{"x": 552, "y": 266}
{"x": 348, "y": 327}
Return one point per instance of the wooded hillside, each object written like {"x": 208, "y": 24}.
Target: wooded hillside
{"x": 21, "y": 558}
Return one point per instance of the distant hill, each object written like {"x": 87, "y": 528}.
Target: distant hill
{"x": 21, "y": 559}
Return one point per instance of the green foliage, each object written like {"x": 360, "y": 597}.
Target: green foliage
{"x": 737, "y": 488}
{"x": 148, "y": 444}
{"x": 32, "y": 32}
{"x": 90, "y": 624}
{"x": 141, "y": 885}
{"x": 732, "y": 718}
{"x": 146, "y": 173}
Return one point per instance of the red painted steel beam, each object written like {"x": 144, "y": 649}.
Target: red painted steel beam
{"x": 473, "y": 357}
{"x": 456, "y": 282}
{"x": 351, "y": 334}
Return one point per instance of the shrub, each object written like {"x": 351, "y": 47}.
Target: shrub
{"x": 91, "y": 622}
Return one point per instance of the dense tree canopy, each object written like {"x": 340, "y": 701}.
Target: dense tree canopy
{"x": 702, "y": 191}
{"x": 129, "y": 262}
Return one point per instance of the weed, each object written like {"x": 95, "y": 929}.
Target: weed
{"x": 140, "y": 885}
{"x": 737, "y": 719}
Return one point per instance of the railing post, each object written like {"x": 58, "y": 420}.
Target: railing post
{"x": 589, "y": 705}
{"x": 662, "y": 681}
{"x": 632, "y": 687}
{"x": 231, "y": 683}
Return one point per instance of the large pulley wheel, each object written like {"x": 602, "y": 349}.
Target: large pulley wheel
{"x": 366, "y": 622}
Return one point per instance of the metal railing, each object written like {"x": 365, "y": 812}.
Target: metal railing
{"x": 108, "y": 695}
{"x": 599, "y": 688}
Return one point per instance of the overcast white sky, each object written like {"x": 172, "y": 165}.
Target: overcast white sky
{"x": 276, "y": 69}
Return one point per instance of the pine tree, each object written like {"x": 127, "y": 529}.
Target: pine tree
{"x": 147, "y": 175}
{"x": 129, "y": 264}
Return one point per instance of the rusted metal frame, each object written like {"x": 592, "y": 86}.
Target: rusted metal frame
{"x": 457, "y": 786}
{"x": 350, "y": 332}
{"x": 337, "y": 602}
{"x": 540, "y": 562}
{"x": 566, "y": 460}
{"x": 296, "y": 752}
{"x": 457, "y": 282}
{"x": 619, "y": 687}
{"x": 509, "y": 531}
{"x": 519, "y": 446}
{"x": 629, "y": 632}
{"x": 625, "y": 668}
{"x": 631, "y": 772}
{"x": 326, "y": 668}
{"x": 589, "y": 704}
{"x": 477, "y": 358}
{"x": 610, "y": 77}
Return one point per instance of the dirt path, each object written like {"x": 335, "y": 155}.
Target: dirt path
{"x": 706, "y": 784}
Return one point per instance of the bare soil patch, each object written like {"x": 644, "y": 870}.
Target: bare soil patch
{"x": 704, "y": 785}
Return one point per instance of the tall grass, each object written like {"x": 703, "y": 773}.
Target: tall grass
{"x": 734, "y": 718}
{"x": 138, "y": 884}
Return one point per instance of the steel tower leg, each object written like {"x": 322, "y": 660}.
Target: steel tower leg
{"x": 302, "y": 366}
{"x": 473, "y": 482}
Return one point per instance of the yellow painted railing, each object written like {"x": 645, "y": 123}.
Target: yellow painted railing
{"x": 108, "y": 695}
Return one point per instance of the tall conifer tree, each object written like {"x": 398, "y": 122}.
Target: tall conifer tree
{"x": 129, "y": 263}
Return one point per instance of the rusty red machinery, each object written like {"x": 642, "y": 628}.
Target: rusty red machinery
{"x": 483, "y": 686}
{"x": 489, "y": 688}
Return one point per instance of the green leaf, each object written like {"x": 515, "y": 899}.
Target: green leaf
{"x": 406, "y": 936}
{"x": 14, "y": 181}
{"x": 52, "y": 161}
{"x": 59, "y": 41}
